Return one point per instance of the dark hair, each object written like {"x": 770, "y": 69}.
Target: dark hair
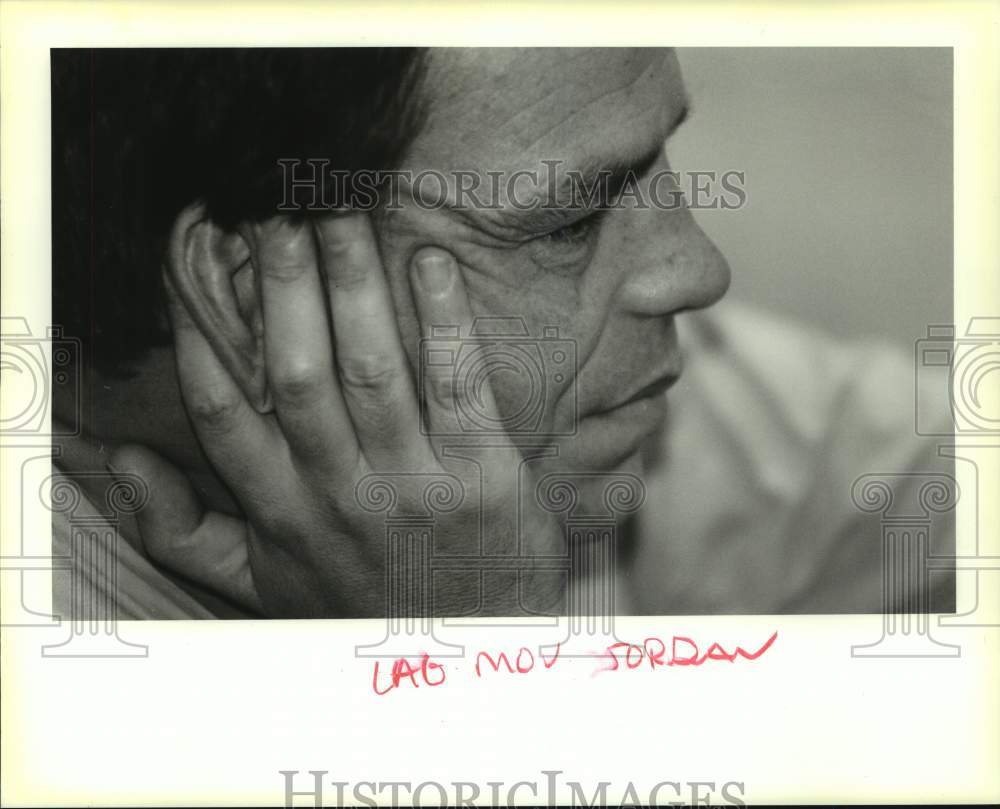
{"x": 137, "y": 134}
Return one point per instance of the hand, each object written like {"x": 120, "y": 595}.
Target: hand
{"x": 307, "y": 547}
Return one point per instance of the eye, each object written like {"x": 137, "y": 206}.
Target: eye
{"x": 567, "y": 250}
{"x": 576, "y": 232}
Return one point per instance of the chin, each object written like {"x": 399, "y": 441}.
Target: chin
{"x": 590, "y": 454}
{"x": 634, "y": 464}
{"x": 614, "y": 441}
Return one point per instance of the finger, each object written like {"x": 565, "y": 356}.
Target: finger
{"x": 447, "y": 392}
{"x": 233, "y": 435}
{"x": 210, "y": 549}
{"x": 374, "y": 372}
{"x": 297, "y": 345}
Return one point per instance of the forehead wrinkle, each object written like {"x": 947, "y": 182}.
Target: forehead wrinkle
{"x": 491, "y": 107}
{"x": 648, "y": 102}
{"x": 625, "y": 87}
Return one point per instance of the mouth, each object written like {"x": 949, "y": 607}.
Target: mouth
{"x": 653, "y": 390}
{"x": 615, "y": 429}
{"x": 647, "y": 393}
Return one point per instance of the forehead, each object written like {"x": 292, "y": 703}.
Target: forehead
{"x": 518, "y": 106}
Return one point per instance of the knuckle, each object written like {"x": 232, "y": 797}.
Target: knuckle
{"x": 286, "y": 270}
{"x": 369, "y": 372}
{"x": 337, "y": 247}
{"x": 440, "y": 388}
{"x": 344, "y": 266}
{"x": 212, "y": 410}
{"x": 298, "y": 383}
{"x": 285, "y": 249}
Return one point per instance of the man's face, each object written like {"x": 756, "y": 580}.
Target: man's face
{"x": 610, "y": 282}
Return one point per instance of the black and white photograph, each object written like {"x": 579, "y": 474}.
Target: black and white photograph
{"x": 474, "y": 404}
{"x": 446, "y": 331}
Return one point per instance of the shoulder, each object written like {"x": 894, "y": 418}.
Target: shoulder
{"x": 106, "y": 574}
{"x": 767, "y": 374}
{"x": 771, "y": 428}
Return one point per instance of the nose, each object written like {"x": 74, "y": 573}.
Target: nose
{"x": 674, "y": 267}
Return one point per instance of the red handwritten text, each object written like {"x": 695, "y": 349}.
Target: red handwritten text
{"x": 683, "y": 652}
{"x": 432, "y": 674}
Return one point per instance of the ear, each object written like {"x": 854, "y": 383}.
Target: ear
{"x": 211, "y": 275}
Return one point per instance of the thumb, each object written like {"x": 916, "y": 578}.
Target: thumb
{"x": 177, "y": 532}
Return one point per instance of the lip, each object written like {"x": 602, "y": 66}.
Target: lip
{"x": 651, "y": 390}
{"x": 608, "y": 436}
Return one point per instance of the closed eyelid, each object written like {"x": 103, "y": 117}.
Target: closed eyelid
{"x": 510, "y": 225}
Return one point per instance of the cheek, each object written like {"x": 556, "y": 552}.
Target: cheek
{"x": 501, "y": 284}
{"x": 560, "y": 327}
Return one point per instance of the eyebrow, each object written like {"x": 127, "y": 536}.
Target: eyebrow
{"x": 612, "y": 174}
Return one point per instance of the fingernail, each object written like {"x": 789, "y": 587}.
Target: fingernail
{"x": 436, "y": 273}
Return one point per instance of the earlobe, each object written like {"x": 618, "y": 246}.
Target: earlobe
{"x": 210, "y": 275}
